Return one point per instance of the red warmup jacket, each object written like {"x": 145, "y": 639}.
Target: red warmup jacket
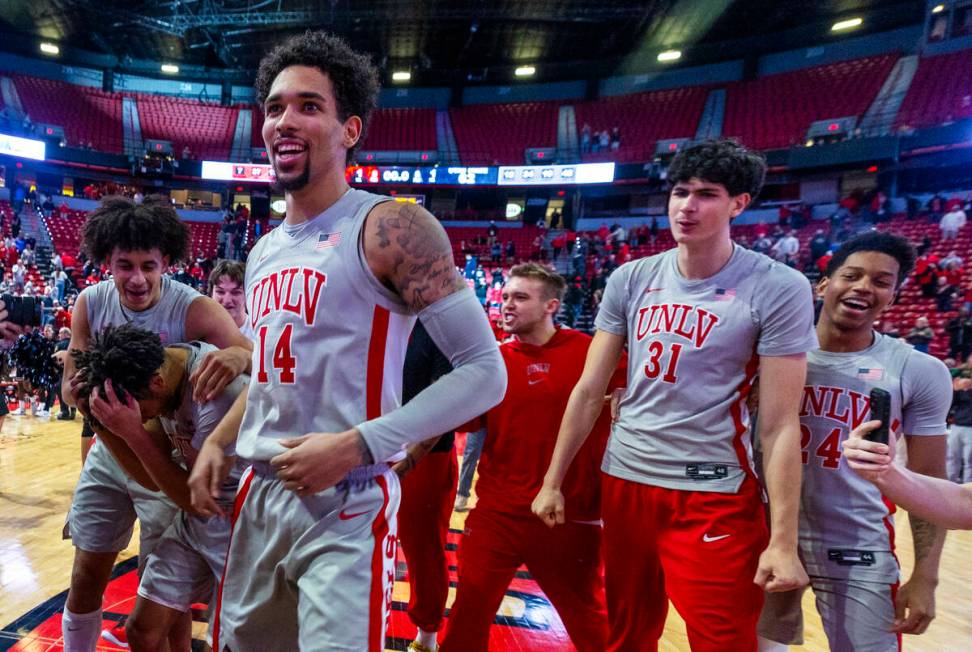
{"x": 522, "y": 430}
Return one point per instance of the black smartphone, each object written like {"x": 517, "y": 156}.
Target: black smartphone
{"x": 880, "y": 411}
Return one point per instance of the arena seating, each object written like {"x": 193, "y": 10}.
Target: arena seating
{"x": 776, "y": 110}
{"x": 87, "y": 114}
{"x": 522, "y": 239}
{"x": 643, "y": 119}
{"x": 206, "y": 128}
{"x": 204, "y": 235}
{"x": 941, "y": 91}
{"x": 498, "y": 134}
{"x": 401, "y": 130}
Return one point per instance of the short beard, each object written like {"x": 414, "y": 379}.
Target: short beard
{"x": 298, "y": 183}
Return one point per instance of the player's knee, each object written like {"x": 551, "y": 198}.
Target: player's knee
{"x": 142, "y": 635}
{"x": 87, "y": 585}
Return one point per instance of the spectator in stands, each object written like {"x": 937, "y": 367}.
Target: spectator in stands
{"x": 585, "y": 139}
{"x": 186, "y": 154}
{"x": 926, "y": 274}
{"x": 952, "y": 222}
{"x": 62, "y": 317}
{"x": 604, "y": 140}
{"x": 492, "y": 233}
{"x": 495, "y": 252}
{"x": 921, "y": 335}
{"x": 936, "y": 207}
{"x": 786, "y": 249}
{"x": 19, "y": 273}
{"x": 819, "y": 245}
{"x": 615, "y": 139}
{"x": 653, "y": 231}
{"x": 952, "y": 257}
{"x": 510, "y": 252}
{"x": 27, "y": 258}
{"x": 618, "y": 234}
{"x": 15, "y": 225}
{"x": 558, "y": 244}
{"x": 572, "y": 301}
{"x": 57, "y": 263}
{"x": 946, "y": 294}
{"x": 959, "y": 330}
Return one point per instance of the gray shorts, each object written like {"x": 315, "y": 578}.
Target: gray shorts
{"x": 107, "y": 501}
{"x": 857, "y": 616}
{"x": 187, "y": 562}
{"x": 310, "y": 573}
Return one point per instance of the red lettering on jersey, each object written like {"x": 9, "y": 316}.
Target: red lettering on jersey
{"x": 288, "y": 305}
{"x": 835, "y": 393}
{"x": 680, "y": 328}
{"x": 310, "y": 298}
{"x": 272, "y": 294}
{"x": 255, "y": 303}
{"x": 675, "y": 319}
{"x": 860, "y": 406}
{"x": 813, "y": 400}
{"x": 703, "y": 326}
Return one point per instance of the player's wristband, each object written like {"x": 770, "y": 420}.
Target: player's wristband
{"x": 458, "y": 326}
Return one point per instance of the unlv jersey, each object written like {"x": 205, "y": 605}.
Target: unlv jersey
{"x": 330, "y": 339}
{"x": 846, "y": 527}
{"x": 693, "y": 352}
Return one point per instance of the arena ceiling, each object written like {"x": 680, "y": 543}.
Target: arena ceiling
{"x": 445, "y": 42}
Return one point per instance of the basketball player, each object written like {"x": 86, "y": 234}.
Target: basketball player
{"x": 543, "y": 363}
{"x": 428, "y": 475}
{"x": 682, "y": 508}
{"x": 333, "y": 294}
{"x": 226, "y": 288}
{"x": 130, "y": 379}
{"x": 938, "y": 501}
{"x": 846, "y": 527}
{"x": 138, "y": 242}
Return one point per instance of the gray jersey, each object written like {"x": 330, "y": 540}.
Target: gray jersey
{"x": 330, "y": 338}
{"x": 192, "y": 422}
{"x": 693, "y": 352}
{"x": 846, "y": 527}
{"x": 167, "y": 317}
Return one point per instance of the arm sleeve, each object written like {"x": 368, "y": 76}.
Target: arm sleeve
{"x": 927, "y": 393}
{"x": 477, "y": 382}
{"x": 784, "y": 308}
{"x": 612, "y": 316}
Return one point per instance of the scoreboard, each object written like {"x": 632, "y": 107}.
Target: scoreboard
{"x": 421, "y": 176}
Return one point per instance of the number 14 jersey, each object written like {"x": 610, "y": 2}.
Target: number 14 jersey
{"x": 693, "y": 352}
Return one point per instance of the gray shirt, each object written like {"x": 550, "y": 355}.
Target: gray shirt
{"x": 693, "y": 353}
{"x": 192, "y": 422}
{"x": 330, "y": 338}
{"x": 846, "y": 527}
{"x": 167, "y": 317}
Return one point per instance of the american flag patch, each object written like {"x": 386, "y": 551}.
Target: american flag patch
{"x": 864, "y": 373}
{"x": 328, "y": 240}
{"x": 725, "y": 294}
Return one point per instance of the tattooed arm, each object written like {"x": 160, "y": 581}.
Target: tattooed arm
{"x": 915, "y": 604}
{"x": 409, "y": 251}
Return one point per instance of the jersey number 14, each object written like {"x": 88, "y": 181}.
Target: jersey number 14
{"x": 283, "y": 360}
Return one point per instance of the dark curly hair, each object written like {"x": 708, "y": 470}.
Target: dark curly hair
{"x": 889, "y": 244}
{"x": 723, "y": 161}
{"x": 126, "y": 355}
{"x": 353, "y": 77}
{"x": 120, "y": 222}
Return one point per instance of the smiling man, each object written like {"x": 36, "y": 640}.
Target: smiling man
{"x": 846, "y": 526}
{"x": 332, "y": 295}
{"x": 682, "y": 508}
{"x": 226, "y": 288}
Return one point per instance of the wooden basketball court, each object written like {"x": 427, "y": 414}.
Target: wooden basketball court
{"x": 39, "y": 465}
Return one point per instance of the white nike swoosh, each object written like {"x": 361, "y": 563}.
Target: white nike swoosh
{"x": 534, "y": 382}
{"x": 708, "y": 539}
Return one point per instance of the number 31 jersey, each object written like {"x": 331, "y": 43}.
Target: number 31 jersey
{"x": 846, "y": 527}
{"x": 330, "y": 339}
{"x": 693, "y": 352}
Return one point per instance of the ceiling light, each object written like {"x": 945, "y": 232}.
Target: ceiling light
{"x": 170, "y": 69}
{"x": 401, "y": 76}
{"x": 525, "y": 71}
{"x": 843, "y": 25}
{"x": 937, "y": 9}
{"x": 670, "y": 55}
{"x": 49, "y": 48}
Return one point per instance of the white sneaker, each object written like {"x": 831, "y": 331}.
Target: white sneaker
{"x": 43, "y": 414}
{"x": 461, "y": 503}
{"x": 18, "y": 412}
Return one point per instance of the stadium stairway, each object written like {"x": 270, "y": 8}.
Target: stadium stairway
{"x": 242, "y": 136}
{"x": 448, "y": 151}
{"x": 881, "y": 115}
{"x": 710, "y": 124}
{"x": 131, "y": 127}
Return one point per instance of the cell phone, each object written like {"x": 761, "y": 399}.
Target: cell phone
{"x": 880, "y": 411}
